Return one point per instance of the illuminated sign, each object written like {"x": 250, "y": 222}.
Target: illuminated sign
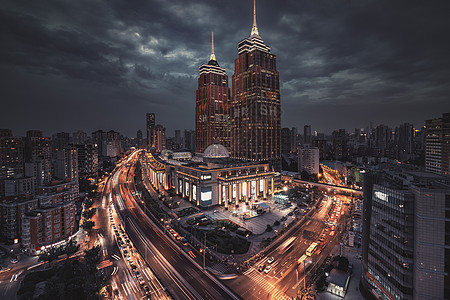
{"x": 206, "y": 196}
{"x": 244, "y": 189}
{"x": 206, "y": 177}
{"x": 194, "y": 192}
{"x": 381, "y": 196}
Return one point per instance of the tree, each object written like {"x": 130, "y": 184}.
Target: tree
{"x": 268, "y": 228}
{"x": 276, "y": 223}
{"x": 304, "y": 175}
{"x": 88, "y": 214}
{"x": 88, "y": 225}
{"x": 92, "y": 256}
{"x": 88, "y": 203}
{"x": 72, "y": 247}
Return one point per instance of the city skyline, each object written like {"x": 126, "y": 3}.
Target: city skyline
{"x": 341, "y": 65}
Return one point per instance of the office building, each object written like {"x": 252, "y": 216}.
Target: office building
{"x": 405, "y": 234}
{"x": 212, "y": 105}
{"x": 255, "y": 102}
{"x": 437, "y": 145}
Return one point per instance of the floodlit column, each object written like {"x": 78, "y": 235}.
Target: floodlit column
{"x": 220, "y": 194}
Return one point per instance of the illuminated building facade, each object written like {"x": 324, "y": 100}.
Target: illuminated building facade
{"x": 212, "y": 106}
{"x": 255, "y": 102}
{"x": 215, "y": 179}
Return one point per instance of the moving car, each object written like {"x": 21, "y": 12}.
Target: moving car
{"x": 271, "y": 260}
{"x": 268, "y": 268}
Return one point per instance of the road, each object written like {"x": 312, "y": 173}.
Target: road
{"x": 183, "y": 278}
{"x": 286, "y": 275}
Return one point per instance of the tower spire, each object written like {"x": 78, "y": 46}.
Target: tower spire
{"x": 254, "y": 28}
{"x": 213, "y": 56}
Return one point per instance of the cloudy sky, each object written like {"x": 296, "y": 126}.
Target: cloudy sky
{"x": 97, "y": 64}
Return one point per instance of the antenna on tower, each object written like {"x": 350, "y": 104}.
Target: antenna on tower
{"x": 213, "y": 56}
{"x": 254, "y": 28}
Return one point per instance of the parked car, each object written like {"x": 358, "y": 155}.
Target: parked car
{"x": 271, "y": 260}
{"x": 268, "y": 268}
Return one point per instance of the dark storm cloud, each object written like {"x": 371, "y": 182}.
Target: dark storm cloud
{"x": 103, "y": 64}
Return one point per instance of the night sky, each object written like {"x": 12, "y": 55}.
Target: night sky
{"x": 92, "y": 64}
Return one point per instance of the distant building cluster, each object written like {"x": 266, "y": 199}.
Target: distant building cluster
{"x": 40, "y": 178}
{"x": 404, "y": 143}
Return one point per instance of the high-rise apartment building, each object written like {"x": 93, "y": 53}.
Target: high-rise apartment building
{"x": 294, "y": 140}
{"x": 437, "y": 145}
{"x": 139, "y": 138}
{"x": 286, "y": 140}
{"x": 36, "y": 145}
{"x": 12, "y": 159}
{"x": 87, "y": 161}
{"x": 48, "y": 225}
{"x": 41, "y": 170}
{"x": 308, "y": 160}
{"x": 60, "y": 140}
{"x": 255, "y": 101}
{"x": 108, "y": 143}
{"x": 189, "y": 140}
{"x": 340, "y": 146}
{"x": 160, "y": 138}
{"x": 212, "y": 106}
{"x": 405, "y": 141}
{"x": 150, "y": 125}
{"x": 79, "y": 137}
{"x": 307, "y": 135}
{"x": 66, "y": 164}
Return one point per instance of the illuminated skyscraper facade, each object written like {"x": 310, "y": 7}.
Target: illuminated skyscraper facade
{"x": 212, "y": 106}
{"x": 255, "y": 101}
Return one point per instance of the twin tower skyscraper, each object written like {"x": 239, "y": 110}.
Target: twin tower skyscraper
{"x": 247, "y": 120}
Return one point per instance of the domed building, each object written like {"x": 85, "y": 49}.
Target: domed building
{"x": 214, "y": 179}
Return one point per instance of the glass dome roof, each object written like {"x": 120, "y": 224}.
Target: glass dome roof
{"x": 216, "y": 151}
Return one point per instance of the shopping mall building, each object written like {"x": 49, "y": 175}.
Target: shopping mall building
{"x": 211, "y": 179}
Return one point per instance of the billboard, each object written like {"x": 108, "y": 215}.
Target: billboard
{"x": 206, "y": 196}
